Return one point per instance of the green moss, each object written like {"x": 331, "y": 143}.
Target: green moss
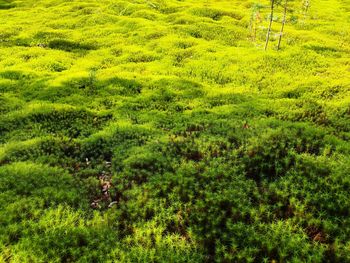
{"x": 160, "y": 131}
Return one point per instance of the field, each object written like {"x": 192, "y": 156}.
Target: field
{"x": 162, "y": 131}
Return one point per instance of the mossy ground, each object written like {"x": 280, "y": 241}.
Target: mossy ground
{"x": 210, "y": 148}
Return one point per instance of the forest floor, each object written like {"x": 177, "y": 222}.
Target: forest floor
{"x": 161, "y": 131}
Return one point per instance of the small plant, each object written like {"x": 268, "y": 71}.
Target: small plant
{"x": 255, "y": 19}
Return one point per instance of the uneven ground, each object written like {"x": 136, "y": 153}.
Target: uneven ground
{"x": 205, "y": 147}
